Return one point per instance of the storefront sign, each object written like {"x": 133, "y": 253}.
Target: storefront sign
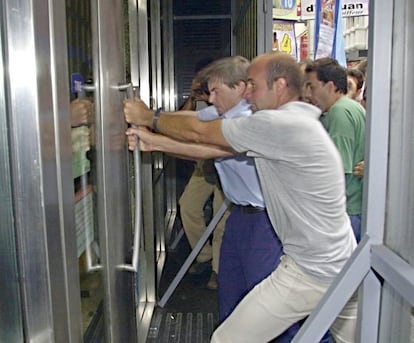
{"x": 284, "y": 38}
{"x": 349, "y": 8}
{"x": 286, "y": 9}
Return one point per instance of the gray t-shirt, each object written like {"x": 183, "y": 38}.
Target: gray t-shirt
{"x": 303, "y": 184}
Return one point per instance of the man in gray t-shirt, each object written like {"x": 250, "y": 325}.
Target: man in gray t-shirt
{"x": 302, "y": 180}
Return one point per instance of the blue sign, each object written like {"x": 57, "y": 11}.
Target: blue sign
{"x": 76, "y": 83}
{"x": 288, "y": 4}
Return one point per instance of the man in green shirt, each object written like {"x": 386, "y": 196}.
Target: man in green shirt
{"x": 344, "y": 119}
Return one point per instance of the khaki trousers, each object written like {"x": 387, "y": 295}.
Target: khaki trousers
{"x": 280, "y": 300}
{"x": 192, "y": 202}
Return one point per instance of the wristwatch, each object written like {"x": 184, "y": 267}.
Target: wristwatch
{"x": 157, "y": 114}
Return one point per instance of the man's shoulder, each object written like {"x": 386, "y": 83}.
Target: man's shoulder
{"x": 345, "y": 105}
{"x": 241, "y": 109}
{"x": 301, "y": 107}
{"x": 208, "y": 113}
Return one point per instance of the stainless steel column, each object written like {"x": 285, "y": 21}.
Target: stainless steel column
{"x": 38, "y": 141}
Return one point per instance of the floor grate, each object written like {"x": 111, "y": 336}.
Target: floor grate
{"x": 179, "y": 327}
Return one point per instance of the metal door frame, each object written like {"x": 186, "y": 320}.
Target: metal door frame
{"x": 139, "y": 61}
{"x": 11, "y": 324}
{"x": 114, "y": 212}
{"x": 34, "y": 47}
{"x": 39, "y": 150}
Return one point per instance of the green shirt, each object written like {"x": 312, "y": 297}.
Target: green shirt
{"x": 345, "y": 123}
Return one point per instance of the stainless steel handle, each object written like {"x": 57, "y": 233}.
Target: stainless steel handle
{"x": 133, "y": 267}
{"x": 82, "y": 90}
{"x": 89, "y": 88}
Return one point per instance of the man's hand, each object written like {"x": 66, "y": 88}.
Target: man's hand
{"x": 359, "y": 169}
{"x": 137, "y": 112}
{"x": 132, "y": 138}
{"x": 145, "y": 138}
{"x": 81, "y": 112}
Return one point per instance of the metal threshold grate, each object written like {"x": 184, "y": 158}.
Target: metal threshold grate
{"x": 179, "y": 327}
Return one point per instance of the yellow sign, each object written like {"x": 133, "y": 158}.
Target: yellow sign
{"x": 286, "y": 45}
{"x": 284, "y": 38}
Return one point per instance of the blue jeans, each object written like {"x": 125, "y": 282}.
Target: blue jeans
{"x": 356, "y": 226}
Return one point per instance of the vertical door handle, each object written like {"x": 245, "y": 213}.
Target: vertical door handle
{"x": 133, "y": 267}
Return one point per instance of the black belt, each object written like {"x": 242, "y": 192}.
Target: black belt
{"x": 250, "y": 208}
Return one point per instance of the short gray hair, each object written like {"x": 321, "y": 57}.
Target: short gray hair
{"x": 228, "y": 70}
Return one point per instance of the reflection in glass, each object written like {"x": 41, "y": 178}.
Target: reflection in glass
{"x": 78, "y": 13}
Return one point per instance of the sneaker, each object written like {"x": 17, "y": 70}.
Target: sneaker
{"x": 198, "y": 268}
{"x": 212, "y": 283}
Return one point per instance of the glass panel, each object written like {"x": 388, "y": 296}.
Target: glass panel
{"x": 84, "y": 163}
{"x": 399, "y": 233}
{"x": 395, "y": 318}
{"x": 188, "y": 33}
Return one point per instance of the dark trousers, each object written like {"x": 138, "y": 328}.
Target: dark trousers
{"x": 250, "y": 251}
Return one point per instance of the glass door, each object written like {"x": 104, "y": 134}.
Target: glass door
{"x": 95, "y": 31}
{"x": 84, "y": 166}
{"x": 67, "y": 239}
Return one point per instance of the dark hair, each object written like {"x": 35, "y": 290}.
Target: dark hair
{"x": 357, "y": 75}
{"x": 328, "y": 69}
{"x": 201, "y": 81}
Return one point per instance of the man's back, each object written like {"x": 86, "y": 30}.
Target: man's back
{"x": 345, "y": 124}
{"x": 303, "y": 184}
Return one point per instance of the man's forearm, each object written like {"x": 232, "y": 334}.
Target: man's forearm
{"x": 191, "y": 129}
{"x": 181, "y": 125}
{"x": 188, "y": 150}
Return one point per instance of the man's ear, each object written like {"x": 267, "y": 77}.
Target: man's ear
{"x": 331, "y": 86}
{"x": 280, "y": 83}
{"x": 242, "y": 85}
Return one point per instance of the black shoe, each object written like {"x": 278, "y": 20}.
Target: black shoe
{"x": 198, "y": 268}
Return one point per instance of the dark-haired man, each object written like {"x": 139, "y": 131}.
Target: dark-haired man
{"x": 344, "y": 119}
